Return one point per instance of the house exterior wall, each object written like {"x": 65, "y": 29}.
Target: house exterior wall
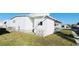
{"x": 1, "y": 25}
{"x": 49, "y": 26}
{"x": 39, "y": 29}
{"x": 58, "y": 26}
{"x": 21, "y": 24}
{"x": 45, "y": 29}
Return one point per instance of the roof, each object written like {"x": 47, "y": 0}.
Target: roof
{"x": 53, "y": 19}
{"x": 38, "y": 17}
{"x": 58, "y": 21}
{"x": 38, "y": 14}
{"x": 18, "y": 16}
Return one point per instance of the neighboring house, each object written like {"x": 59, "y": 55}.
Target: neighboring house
{"x": 58, "y": 25}
{"x": 66, "y": 26}
{"x": 77, "y": 25}
{"x": 39, "y": 24}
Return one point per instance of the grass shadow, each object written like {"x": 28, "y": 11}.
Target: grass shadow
{"x": 3, "y": 31}
{"x": 66, "y": 36}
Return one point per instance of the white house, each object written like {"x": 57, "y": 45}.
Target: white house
{"x": 43, "y": 25}
{"x": 58, "y": 25}
{"x": 40, "y": 24}
{"x": 66, "y": 26}
{"x": 1, "y": 24}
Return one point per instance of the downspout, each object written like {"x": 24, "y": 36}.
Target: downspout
{"x": 33, "y": 26}
{"x": 32, "y": 19}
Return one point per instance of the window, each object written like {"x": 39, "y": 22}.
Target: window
{"x": 63, "y": 26}
{"x": 5, "y": 22}
{"x": 56, "y": 24}
{"x": 41, "y": 23}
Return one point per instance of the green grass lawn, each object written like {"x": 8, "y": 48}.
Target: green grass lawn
{"x": 24, "y": 39}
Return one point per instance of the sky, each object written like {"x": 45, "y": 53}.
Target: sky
{"x": 65, "y": 18}
{"x": 8, "y": 16}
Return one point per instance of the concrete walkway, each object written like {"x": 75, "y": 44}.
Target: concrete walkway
{"x": 76, "y": 37}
